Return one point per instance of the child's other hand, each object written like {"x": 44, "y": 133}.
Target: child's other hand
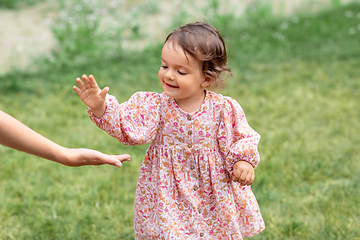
{"x": 90, "y": 93}
{"x": 243, "y": 172}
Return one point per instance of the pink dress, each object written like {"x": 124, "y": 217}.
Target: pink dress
{"x": 185, "y": 189}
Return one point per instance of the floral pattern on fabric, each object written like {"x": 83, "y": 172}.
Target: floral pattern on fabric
{"x": 184, "y": 190}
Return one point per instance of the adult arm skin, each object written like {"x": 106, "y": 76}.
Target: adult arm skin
{"x": 16, "y": 135}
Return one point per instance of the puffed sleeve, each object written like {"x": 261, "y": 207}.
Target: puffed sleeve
{"x": 133, "y": 122}
{"x": 237, "y": 140}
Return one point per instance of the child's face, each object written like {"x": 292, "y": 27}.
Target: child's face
{"x": 181, "y": 77}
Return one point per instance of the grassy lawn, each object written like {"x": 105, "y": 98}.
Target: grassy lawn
{"x": 298, "y": 80}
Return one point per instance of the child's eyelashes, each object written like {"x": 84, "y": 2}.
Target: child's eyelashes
{"x": 179, "y": 71}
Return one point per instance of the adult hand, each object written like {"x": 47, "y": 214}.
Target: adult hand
{"x": 16, "y": 135}
{"x": 83, "y": 156}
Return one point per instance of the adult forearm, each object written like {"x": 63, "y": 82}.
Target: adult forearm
{"x": 15, "y": 134}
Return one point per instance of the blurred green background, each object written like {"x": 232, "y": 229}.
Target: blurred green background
{"x": 295, "y": 72}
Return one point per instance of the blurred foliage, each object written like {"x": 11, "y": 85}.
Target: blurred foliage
{"x": 80, "y": 38}
{"x": 15, "y": 4}
{"x": 329, "y": 34}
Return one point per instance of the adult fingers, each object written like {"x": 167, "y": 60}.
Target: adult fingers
{"x": 115, "y": 160}
{"x": 120, "y": 159}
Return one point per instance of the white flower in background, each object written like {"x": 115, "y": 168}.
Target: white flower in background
{"x": 352, "y": 30}
{"x": 349, "y": 14}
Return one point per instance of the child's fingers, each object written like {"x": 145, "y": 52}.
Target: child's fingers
{"x": 80, "y": 83}
{"x": 77, "y": 90}
{"x": 104, "y": 92}
{"x": 239, "y": 177}
{"x": 86, "y": 81}
{"x": 249, "y": 179}
{"x": 236, "y": 174}
{"x": 243, "y": 178}
{"x": 235, "y": 178}
{"x": 93, "y": 82}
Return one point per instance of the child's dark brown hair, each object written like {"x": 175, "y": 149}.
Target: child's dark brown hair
{"x": 203, "y": 42}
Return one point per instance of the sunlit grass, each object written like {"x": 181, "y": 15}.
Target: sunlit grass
{"x": 309, "y": 147}
{"x": 299, "y": 90}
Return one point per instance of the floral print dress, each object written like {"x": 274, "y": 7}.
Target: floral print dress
{"x": 185, "y": 188}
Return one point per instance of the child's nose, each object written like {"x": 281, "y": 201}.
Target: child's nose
{"x": 169, "y": 75}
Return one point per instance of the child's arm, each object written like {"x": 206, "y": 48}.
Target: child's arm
{"x": 238, "y": 143}
{"x": 16, "y": 135}
{"x": 90, "y": 93}
{"x": 133, "y": 122}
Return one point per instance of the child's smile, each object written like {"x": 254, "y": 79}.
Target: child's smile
{"x": 171, "y": 86}
{"x": 182, "y": 78}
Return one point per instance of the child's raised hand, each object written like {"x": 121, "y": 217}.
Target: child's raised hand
{"x": 243, "y": 172}
{"x": 90, "y": 93}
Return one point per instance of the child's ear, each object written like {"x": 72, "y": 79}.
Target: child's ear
{"x": 207, "y": 82}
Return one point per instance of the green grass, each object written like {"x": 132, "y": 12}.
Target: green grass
{"x": 298, "y": 80}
